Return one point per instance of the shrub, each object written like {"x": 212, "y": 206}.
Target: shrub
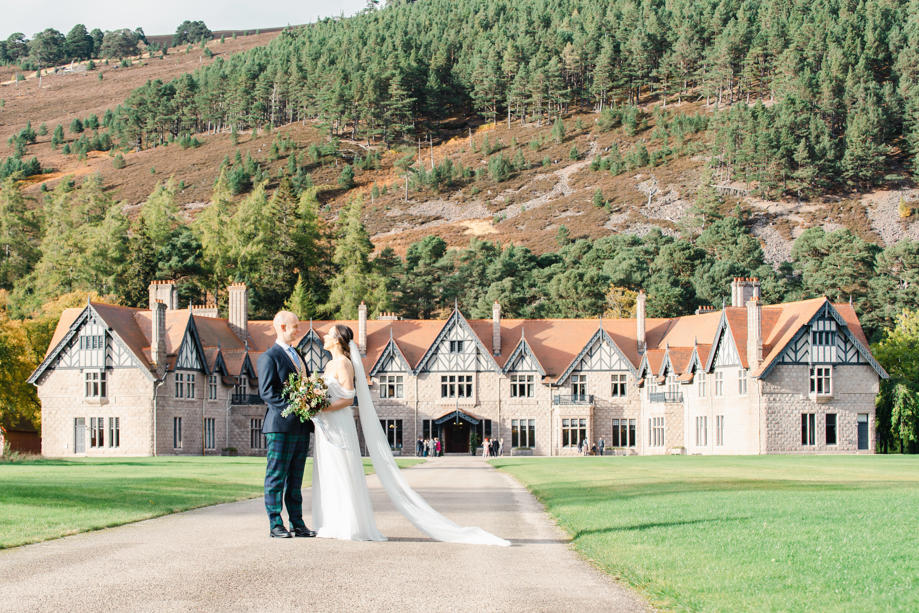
{"x": 573, "y": 154}
{"x": 76, "y": 126}
{"x": 118, "y": 162}
{"x": 346, "y": 178}
{"x": 558, "y": 130}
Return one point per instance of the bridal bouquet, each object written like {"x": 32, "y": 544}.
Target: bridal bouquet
{"x": 306, "y": 396}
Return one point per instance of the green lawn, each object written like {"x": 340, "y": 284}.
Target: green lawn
{"x": 43, "y": 499}
{"x": 743, "y": 533}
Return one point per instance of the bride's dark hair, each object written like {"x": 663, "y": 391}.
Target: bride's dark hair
{"x": 344, "y": 337}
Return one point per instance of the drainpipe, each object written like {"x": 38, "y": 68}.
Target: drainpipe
{"x": 203, "y": 422}
{"x": 227, "y": 426}
{"x": 157, "y": 382}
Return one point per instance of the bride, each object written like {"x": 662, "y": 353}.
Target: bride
{"x": 341, "y": 501}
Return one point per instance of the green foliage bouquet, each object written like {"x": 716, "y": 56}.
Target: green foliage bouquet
{"x": 306, "y": 395}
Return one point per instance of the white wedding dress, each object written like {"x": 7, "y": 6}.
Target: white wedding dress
{"x": 341, "y": 502}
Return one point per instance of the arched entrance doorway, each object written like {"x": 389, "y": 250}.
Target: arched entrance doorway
{"x": 455, "y": 429}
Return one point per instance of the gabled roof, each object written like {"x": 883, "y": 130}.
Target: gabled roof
{"x": 522, "y": 349}
{"x": 456, "y": 319}
{"x": 391, "y": 349}
{"x": 601, "y": 335}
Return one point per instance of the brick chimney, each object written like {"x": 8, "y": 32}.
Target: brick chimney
{"x": 165, "y": 292}
{"x": 362, "y": 328}
{"x": 204, "y": 310}
{"x": 239, "y": 310}
{"x": 754, "y": 332}
{"x": 158, "y": 336}
{"x": 743, "y": 289}
{"x": 640, "y": 317}
{"x": 496, "y": 328}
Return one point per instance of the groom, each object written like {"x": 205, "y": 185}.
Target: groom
{"x": 288, "y": 439}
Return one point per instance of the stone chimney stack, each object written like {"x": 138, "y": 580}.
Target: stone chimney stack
{"x": 165, "y": 292}
{"x": 496, "y": 328}
{"x": 640, "y": 317}
{"x": 743, "y": 289}
{"x": 158, "y": 336}
{"x": 754, "y": 332}
{"x": 362, "y": 328}
{"x": 239, "y": 310}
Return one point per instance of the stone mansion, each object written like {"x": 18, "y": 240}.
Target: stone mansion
{"x": 746, "y": 379}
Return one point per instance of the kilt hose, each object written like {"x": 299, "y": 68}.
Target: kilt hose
{"x": 284, "y": 475}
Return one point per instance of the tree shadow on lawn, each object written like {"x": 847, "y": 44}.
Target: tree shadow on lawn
{"x": 651, "y": 525}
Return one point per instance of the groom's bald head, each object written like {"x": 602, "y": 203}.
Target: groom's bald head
{"x": 286, "y": 326}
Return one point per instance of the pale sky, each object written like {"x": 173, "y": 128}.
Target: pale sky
{"x": 163, "y": 16}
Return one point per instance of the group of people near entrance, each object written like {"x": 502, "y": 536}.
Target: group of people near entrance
{"x": 585, "y": 448}
{"x": 429, "y": 447}
{"x": 492, "y": 447}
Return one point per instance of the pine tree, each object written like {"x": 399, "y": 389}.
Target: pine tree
{"x": 355, "y": 281}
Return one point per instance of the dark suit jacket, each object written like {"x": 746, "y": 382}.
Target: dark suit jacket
{"x": 274, "y": 366}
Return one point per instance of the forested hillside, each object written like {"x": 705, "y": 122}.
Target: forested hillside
{"x": 588, "y": 150}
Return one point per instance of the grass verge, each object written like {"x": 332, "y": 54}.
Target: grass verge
{"x": 48, "y": 498}
{"x": 774, "y": 533}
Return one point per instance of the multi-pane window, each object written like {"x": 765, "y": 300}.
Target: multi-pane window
{"x": 573, "y": 432}
{"x": 114, "y": 432}
{"x": 701, "y": 431}
{"x": 95, "y": 383}
{"x": 391, "y": 386}
{"x": 702, "y": 381}
{"x": 393, "y": 430}
{"x": 719, "y": 430}
{"x": 618, "y": 385}
{"x": 824, "y": 338}
{"x": 456, "y": 386}
{"x": 212, "y": 387}
{"x": 623, "y": 433}
{"x": 579, "y": 387}
{"x": 180, "y": 384}
{"x": 741, "y": 382}
{"x": 210, "y": 433}
{"x": 656, "y": 432}
{"x": 189, "y": 385}
{"x": 427, "y": 428}
{"x": 522, "y": 386}
{"x": 719, "y": 383}
{"x": 242, "y": 386}
{"x": 176, "y": 432}
{"x": 456, "y": 346}
{"x": 95, "y": 341}
{"x": 523, "y": 432}
{"x": 96, "y": 431}
{"x": 256, "y": 436}
{"x": 831, "y": 428}
{"x": 821, "y": 380}
{"x": 673, "y": 387}
{"x": 808, "y": 425}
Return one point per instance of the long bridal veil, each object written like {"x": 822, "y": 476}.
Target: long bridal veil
{"x": 405, "y": 499}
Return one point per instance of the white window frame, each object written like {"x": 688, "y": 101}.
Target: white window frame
{"x": 821, "y": 381}
{"x": 579, "y": 385}
{"x": 719, "y": 430}
{"x": 114, "y": 432}
{"x": 702, "y": 381}
{"x": 256, "y": 436}
{"x": 656, "y": 432}
{"x": 522, "y": 386}
{"x": 456, "y": 386}
{"x": 394, "y": 432}
{"x": 719, "y": 383}
{"x": 392, "y": 386}
{"x": 96, "y": 384}
{"x": 176, "y": 432}
{"x": 210, "y": 433}
{"x": 523, "y": 433}
{"x": 619, "y": 385}
{"x": 741, "y": 382}
{"x": 702, "y": 431}
{"x": 212, "y": 387}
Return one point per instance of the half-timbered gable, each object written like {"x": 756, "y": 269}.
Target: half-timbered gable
{"x": 314, "y": 355}
{"x": 391, "y": 360}
{"x": 457, "y": 348}
{"x": 600, "y": 354}
{"x": 523, "y": 360}
{"x": 825, "y": 340}
{"x": 191, "y": 352}
{"x": 89, "y": 344}
{"x": 724, "y": 349}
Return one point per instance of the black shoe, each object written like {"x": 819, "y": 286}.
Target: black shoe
{"x": 280, "y": 532}
{"x": 304, "y": 532}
